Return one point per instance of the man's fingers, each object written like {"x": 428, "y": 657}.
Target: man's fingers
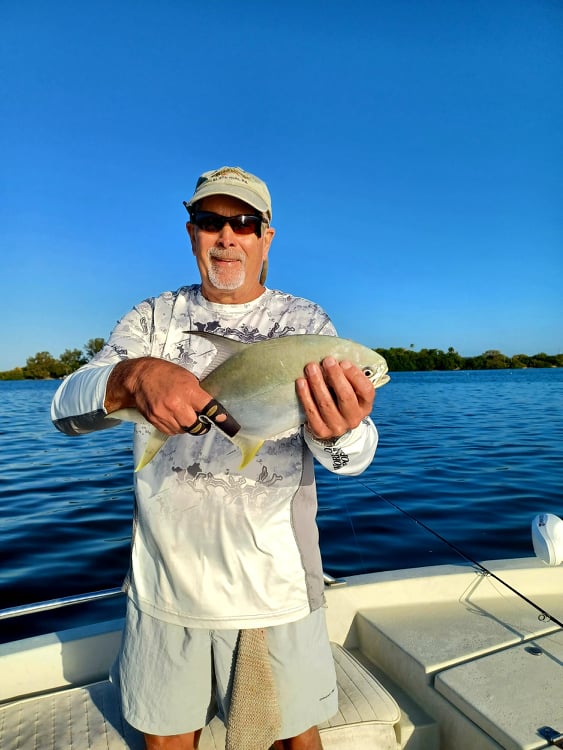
{"x": 319, "y": 403}
{"x": 362, "y": 386}
{"x": 169, "y": 396}
{"x": 215, "y": 413}
{"x": 335, "y": 397}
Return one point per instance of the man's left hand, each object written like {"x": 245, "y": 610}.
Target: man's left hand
{"x": 335, "y": 396}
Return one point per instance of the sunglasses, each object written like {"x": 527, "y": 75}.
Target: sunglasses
{"x": 241, "y": 224}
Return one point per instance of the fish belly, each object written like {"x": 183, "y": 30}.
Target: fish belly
{"x": 266, "y": 414}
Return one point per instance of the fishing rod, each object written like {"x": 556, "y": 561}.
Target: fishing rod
{"x": 486, "y": 571}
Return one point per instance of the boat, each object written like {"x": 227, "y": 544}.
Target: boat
{"x": 444, "y": 657}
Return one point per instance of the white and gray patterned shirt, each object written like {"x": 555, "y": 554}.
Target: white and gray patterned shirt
{"x": 215, "y": 546}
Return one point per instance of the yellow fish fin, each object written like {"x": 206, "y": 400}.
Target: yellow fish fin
{"x": 249, "y": 447}
{"x": 154, "y": 444}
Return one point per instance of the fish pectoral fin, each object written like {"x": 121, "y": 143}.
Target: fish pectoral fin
{"x": 248, "y": 447}
{"x": 154, "y": 444}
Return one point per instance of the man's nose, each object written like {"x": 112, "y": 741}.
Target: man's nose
{"x": 226, "y": 235}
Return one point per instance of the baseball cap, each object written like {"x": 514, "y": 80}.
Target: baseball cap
{"x": 237, "y": 183}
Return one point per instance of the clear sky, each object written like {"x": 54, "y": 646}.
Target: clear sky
{"x": 413, "y": 149}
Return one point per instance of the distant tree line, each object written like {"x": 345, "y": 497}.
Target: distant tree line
{"x": 43, "y": 366}
{"x": 402, "y": 360}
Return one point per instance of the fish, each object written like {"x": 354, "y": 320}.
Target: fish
{"x": 255, "y": 383}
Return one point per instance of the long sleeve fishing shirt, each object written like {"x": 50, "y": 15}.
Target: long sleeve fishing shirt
{"x": 214, "y": 546}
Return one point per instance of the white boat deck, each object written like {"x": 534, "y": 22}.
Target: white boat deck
{"x": 470, "y": 665}
{"x": 485, "y": 664}
{"x": 89, "y": 717}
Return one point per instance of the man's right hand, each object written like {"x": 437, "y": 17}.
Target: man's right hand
{"x": 166, "y": 394}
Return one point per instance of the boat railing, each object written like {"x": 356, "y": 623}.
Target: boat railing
{"x": 330, "y": 582}
{"x": 64, "y": 601}
{"x": 35, "y": 608}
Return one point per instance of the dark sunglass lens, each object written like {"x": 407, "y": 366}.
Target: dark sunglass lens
{"x": 243, "y": 224}
{"x": 209, "y": 222}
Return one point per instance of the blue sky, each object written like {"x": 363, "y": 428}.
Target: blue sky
{"x": 413, "y": 149}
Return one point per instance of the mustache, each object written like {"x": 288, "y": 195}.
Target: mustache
{"x": 225, "y": 254}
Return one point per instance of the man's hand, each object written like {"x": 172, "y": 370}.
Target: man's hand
{"x": 335, "y": 397}
{"x": 163, "y": 392}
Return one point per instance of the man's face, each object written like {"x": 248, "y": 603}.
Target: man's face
{"x": 229, "y": 263}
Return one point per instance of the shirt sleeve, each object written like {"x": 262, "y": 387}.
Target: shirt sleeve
{"x": 78, "y": 404}
{"x": 351, "y": 454}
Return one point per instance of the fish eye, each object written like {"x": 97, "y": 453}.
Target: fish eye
{"x": 368, "y": 372}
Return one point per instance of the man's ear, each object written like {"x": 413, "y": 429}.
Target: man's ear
{"x": 191, "y": 232}
{"x": 268, "y": 237}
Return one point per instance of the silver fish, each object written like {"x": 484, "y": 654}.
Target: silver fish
{"x": 256, "y": 385}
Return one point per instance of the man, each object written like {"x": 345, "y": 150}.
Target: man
{"x": 217, "y": 550}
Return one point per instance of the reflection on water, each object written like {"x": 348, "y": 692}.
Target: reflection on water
{"x": 474, "y": 455}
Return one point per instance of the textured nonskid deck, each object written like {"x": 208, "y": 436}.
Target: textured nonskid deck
{"x": 89, "y": 718}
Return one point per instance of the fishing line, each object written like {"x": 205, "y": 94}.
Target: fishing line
{"x": 485, "y": 570}
{"x": 350, "y": 518}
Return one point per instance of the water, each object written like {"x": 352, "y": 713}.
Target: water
{"x": 472, "y": 455}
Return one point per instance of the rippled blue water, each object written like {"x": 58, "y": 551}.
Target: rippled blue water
{"x": 472, "y": 455}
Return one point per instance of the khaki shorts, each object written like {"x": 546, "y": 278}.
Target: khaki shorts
{"x": 175, "y": 679}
